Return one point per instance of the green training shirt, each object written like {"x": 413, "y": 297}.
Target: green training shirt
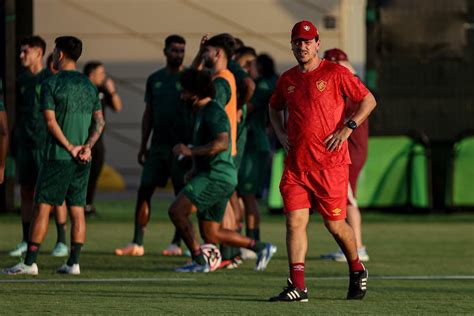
{"x": 257, "y": 120}
{"x": 32, "y": 129}
{"x": 163, "y": 93}
{"x": 73, "y": 98}
{"x": 210, "y": 121}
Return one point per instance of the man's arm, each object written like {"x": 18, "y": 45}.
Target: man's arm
{"x": 278, "y": 121}
{"x": 3, "y": 143}
{"x": 246, "y": 90}
{"x": 97, "y": 127}
{"x": 198, "y": 60}
{"x": 114, "y": 96}
{"x": 335, "y": 140}
{"x": 147, "y": 121}
{"x": 55, "y": 130}
{"x": 220, "y": 144}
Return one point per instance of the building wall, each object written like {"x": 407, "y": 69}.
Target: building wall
{"x": 128, "y": 37}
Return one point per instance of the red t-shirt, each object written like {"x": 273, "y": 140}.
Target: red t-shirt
{"x": 316, "y": 106}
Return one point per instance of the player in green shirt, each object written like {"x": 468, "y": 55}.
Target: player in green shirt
{"x": 30, "y": 138}
{"x": 165, "y": 118}
{"x": 257, "y": 151}
{"x": 212, "y": 179}
{"x": 3, "y": 134}
{"x": 75, "y": 121}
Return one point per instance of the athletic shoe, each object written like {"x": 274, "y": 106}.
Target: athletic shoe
{"x": 65, "y": 269}
{"x": 264, "y": 256}
{"x": 21, "y": 268}
{"x": 247, "y": 254}
{"x": 193, "y": 267}
{"x": 291, "y": 294}
{"x": 172, "y": 250}
{"x": 132, "y": 250}
{"x": 60, "y": 250}
{"x": 357, "y": 284}
{"x": 340, "y": 257}
{"x": 19, "y": 250}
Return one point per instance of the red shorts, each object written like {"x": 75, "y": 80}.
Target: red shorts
{"x": 324, "y": 190}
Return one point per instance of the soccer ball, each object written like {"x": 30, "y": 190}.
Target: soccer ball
{"x": 212, "y": 255}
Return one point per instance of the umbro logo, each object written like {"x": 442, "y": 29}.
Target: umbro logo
{"x": 291, "y": 89}
{"x": 336, "y": 211}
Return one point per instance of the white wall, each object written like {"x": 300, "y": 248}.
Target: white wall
{"x": 128, "y": 37}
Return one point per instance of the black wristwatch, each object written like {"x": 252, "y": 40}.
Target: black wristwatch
{"x": 351, "y": 124}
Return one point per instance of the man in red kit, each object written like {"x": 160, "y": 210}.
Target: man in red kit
{"x": 358, "y": 148}
{"x": 316, "y": 167}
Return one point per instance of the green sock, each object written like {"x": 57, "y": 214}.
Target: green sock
{"x": 32, "y": 253}
{"x": 251, "y": 233}
{"x": 235, "y": 252}
{"x": 257, "y": 246}
{"x": 198, "y": 257}
{"x": 226, "y": 252}
{"x": 26, "y": 231}
{"x": 138, "y": 235}
{"x": 257, "y": 234}
{"x": 75, "y": 252}
{"x": 61, "y": 229}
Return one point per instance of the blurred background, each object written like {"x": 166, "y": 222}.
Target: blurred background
{"x": 415, "y": 56}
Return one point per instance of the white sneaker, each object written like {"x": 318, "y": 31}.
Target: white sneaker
{"x": 339, "y": 256}
{"x": 20, "y": 249}
{"x": 21, "y": 268}
{"x": 60, "y": 250}
{"x": 247, "y": 254}
{"x": 65, "y": 269}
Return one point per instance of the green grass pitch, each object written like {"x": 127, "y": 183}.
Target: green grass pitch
{"x": 399, "y": 245}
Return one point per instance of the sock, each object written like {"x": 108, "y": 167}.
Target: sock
{"x": 226, "y": 252}
{"x": 251, "y": 233}
{"x": 256, "y": 246}
{"x": 355, "y": 265}
{"x": 138, "y": 234}
{"x": 176, "y": 238}
{"x": 32, "y": 253}
{"x": 198, "y": 257}
{"x": 235, "y": 252}
{"x": 26, "y": 231}
{"x": 61, "y": 229}
{"x": 297, "y": 275}
{"x": 75, "y": 252}
{"x": 257, "y": 234}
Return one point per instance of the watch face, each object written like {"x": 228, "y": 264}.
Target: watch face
{"x": 351, "y": 124}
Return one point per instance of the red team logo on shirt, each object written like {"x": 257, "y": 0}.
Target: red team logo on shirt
{"x": 291, "y": 89}
{"x": 321, "y": 85}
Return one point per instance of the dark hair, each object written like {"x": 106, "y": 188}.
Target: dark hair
{"x": 34, "y": 41}
{"x": 267, "y": 65}
{"x": 238, "y": 43}
{"x": 224, "y": 41}
{"x": 49, "y": 60}
{"x": 174, "y": 39}
{"x": 245, "y": 50}
{"x": 70, "y": 46}
{"x": 198, "y": 82}
{"x": 91, "y": 66}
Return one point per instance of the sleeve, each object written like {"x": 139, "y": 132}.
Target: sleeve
{"x": 262, "y": 95}
{"x": 47, "y": 98}
{"x": 277, "y": 101}
{"x": 223, "y": 91}
{"x": 218, "y": 122}
{"x": 352, "y": 87}
{"x": 97, "y": 104}
{"x": 148, "y": 90}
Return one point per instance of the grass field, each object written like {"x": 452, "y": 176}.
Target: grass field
{"x": 435, "y": 246}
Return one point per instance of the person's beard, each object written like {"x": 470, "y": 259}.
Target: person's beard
{"x": 208, "y": 63}
{"x": 175, "y": 63}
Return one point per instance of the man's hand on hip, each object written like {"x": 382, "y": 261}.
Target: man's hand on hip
{"x": 335, "y": 140}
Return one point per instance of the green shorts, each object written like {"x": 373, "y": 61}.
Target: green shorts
{"x": 209, "y": 196}
{"x": 252, "y": 172}
{"x": 62, "y": 180}
{"x": 28, "y": 163}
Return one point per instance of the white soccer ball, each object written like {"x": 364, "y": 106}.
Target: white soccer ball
{"x": 212, "y": 255}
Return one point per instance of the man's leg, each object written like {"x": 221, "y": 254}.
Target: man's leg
{"x": 355, "y": 221}
{"x": 252, "y": 216}
{"x": 97, "y": 163}
{"x": 142, "y": 217}
{"x": 297, "y": 245}
{"x": 60, "y": 249}
{"x": 39, "y": 228}
{"x": 78, "y": 233}
{"x": 27, "y": 192}
{"x": 179, "y": 213}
